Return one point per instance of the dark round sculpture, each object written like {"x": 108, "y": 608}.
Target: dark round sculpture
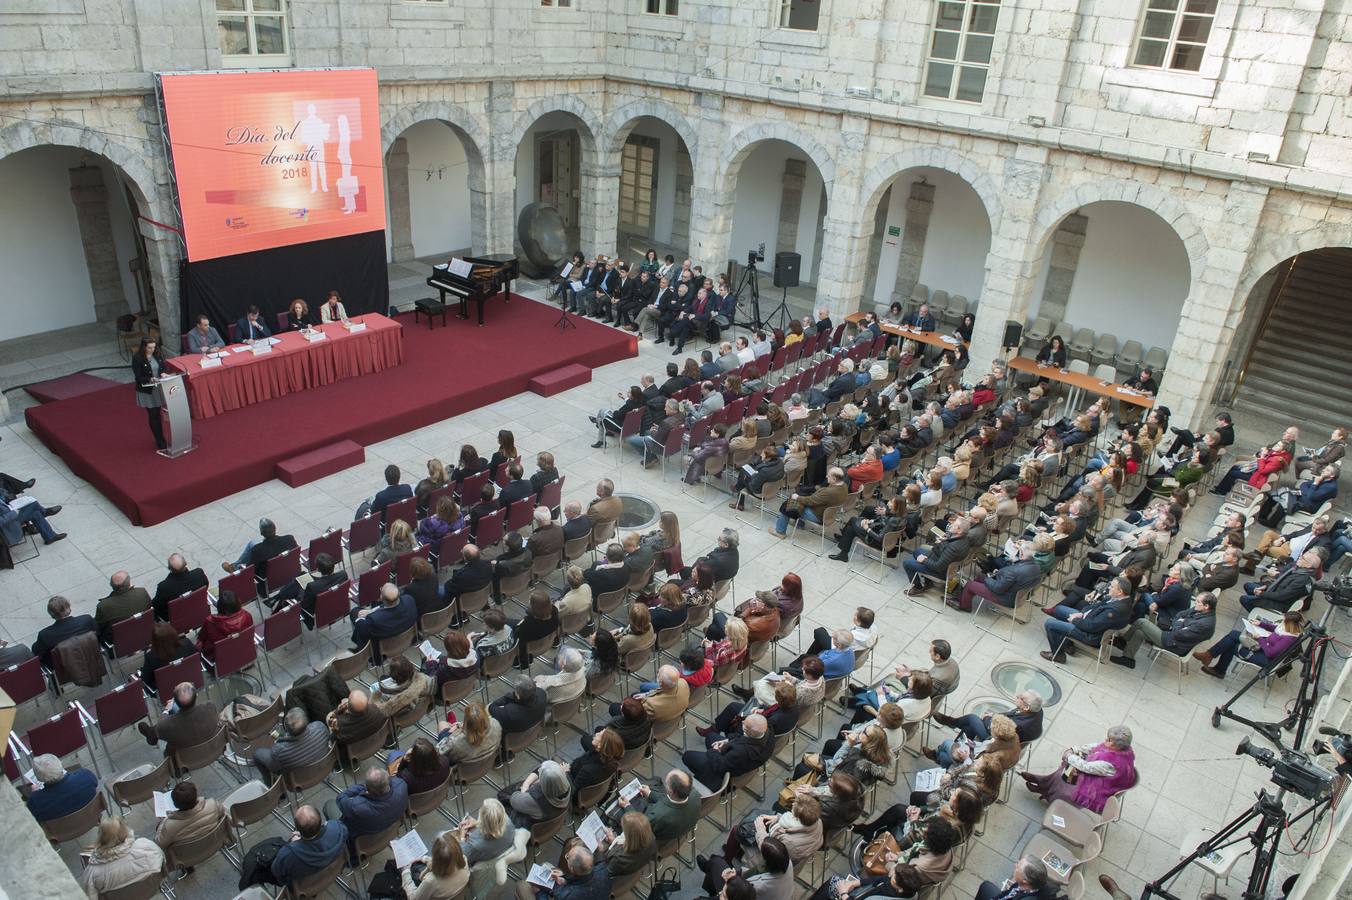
{"x": 544, "y": 243}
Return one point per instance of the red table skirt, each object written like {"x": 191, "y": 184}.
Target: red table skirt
{"x": 294, "y": 365}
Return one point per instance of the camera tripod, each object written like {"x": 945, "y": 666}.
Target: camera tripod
{"x": 750, "y": 281}
{"x": 1310, "y": 650}
{"x": 1273, "y": 821}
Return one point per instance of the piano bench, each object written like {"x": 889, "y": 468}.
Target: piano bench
{"x": 557, "y": 381}
{"x": 429, "y": 307}
{"x": 331, "y": 458}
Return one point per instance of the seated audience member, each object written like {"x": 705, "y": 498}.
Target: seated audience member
{"x": 1027, "y": 882}
{"x": 599, "y": 760}
{"x": 1002, "y": 745}
{"x": 486, "y": 506}
{"x": 119, "y": 858}
{"x": 397, "y": 540}
{"x": 781, "y": 714}
{"x": 934, "y": 561}
{"x": 497, "y": 636}
{"x": 812, "y": 506}
{"x": 439, "y": 875}
{"x": 124, "y": 601}
{"x": 1178, "y": 635}
{"x": 1002, "y": 587}
{"x": 395, "y": 614}
{"x": 541, "y": 795}
{"x": 424, "y": 588}
{"x": 471, "y": 463}
{"x": 14, "y": 520}
{"x": 577, "y": 599}
{"x": 392, "y": 492}
{"x": 731, "y": 648}
{"x": 515, "y": 559}
{"x": 576, "y": 523}
{"x": 773, "y": 878}
{"x": 228, "y": 619}
{"x": 186, "y": 722}
{"x": 914, "y": 697}
{"x": 166, "y": 646}
{"x": 474, "y": 574}
{"x": 191, "y": 818}
{"x": 457, "y": 661}
{"x": 1312, "y": 459}
{"x": 1107, "y": 612}
{"x": 1288, "y": 585}
{"x": 327, "y": 576}
{"x": 1101, "y": 770}
{"x": 313, "y": 846}
{"x": 302, "y": 743}
{"x": 63, "y": 792}
{"x": 638, "y": 632}
{"x": 370, "y": 807}
{"x": 609, "y": 574}
{"x": 862, "y": 637}
{"x": 1282, "y": 547}
{"x": 886, "y": 518}
{"x": 437, "y": 477}
{"x": 546, "y": 538}
{"x": 472, "y": 738}
{"x": 355, "y": 719}
{"x": 522, "y": 708}
{"x": 444, "y": 519}
{"x": 581, "y": 878}
{"x": 179, "y": 580}
{"x": 605, "y": 506}
{"x": 1026, "y": 714}
{"x": 672, "y": 813}
{"x": 760, "y": 613}
{"x": 540, "y": 621}
{"x": 1260, "y": 643}
{"x": 1308, "y": 497}
{"x": 258, "y": 552}
{"x": 1268, "y": 462}
{"x": 732, "y": 756}
{"x": 670, "y": 610}
{"x": 545, "y": 473}
{"x": 422, "y": 768}
{"x": 488, "y": 835}
{"x": 403, "y": 687}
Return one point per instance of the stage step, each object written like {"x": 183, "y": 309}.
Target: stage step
{"x": 308, "y": 467}
{"x": 560, "y": 380}
{"x": 68, "y": 386}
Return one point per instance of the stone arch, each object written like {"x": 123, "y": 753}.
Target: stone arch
{"x": 1174, "y": 214}
{"x": 1283, "y": 248}
{"x": 740, "y": 147}
{"x": 471, "y": 133}
{"x": 567, "y": 103}
{"x": 959, "y": 164}
{"x": 621, "y": 122}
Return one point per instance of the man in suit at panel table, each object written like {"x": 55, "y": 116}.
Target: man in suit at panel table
{"x": 204, "y": 338}
{"x": 251, "y": 327}
{"x": 178, "y": 581}
{"x": 922, "y": 319}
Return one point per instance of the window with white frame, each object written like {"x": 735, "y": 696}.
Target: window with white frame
{"x": 960, "y": 49}
{"x": 662, "y": 7}
{"x": 1174, "y": 34}
{"x": 252, "y": 27}
{"x": 799, "y": 15}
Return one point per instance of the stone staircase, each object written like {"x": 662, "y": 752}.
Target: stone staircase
{"x": 1301, "y": 370}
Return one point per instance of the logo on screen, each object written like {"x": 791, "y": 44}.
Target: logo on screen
{"x": 236, "y": 222}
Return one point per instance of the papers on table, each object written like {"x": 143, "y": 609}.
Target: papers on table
{"x": 592, "y": 831}
{"x": 33, "y": 780}
{"x": 209, "y": 362}
{"x": 928, "y": 779}
{"x": 314, "y": 335}
{"x": 353, "y": 327}
{"x": 164, "y": 804}
{"x": 630, "y": 790}
{"x": 428, "y": 651}
{"x": 541, "y": 876}
{"x": 242, "y": 348}
{"x": 408, "y": 848}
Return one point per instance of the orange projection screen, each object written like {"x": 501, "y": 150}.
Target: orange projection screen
{"x": 270, "y": 159}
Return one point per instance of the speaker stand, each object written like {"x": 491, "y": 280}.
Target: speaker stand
{"x": 781, "y": 313}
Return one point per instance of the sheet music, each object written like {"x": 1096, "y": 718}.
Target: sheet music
{"x": 928, "y": 779}
{"x": 592, "y": 831}
{"x": 408, "y": 848}
{"x": 460, "y": 267}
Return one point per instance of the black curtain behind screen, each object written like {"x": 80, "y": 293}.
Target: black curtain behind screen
{"x": 225, "y": 287}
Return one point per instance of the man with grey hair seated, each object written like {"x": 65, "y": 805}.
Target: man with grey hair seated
{"x": 1101, "y": 770}
{"x": 258, "y": 551}
{"x": 370, "y": 807}
{"x": 569, "y": 679}
{"x": 733, "y": 756}
{"x": 521, "y": 709}
{"x": 1026, "y": 883}
{"x": 586, "y": 879}
{"x": 1026, "y": 713}
{"x": 545, "y": 536}
{"x": 62, "y": 792}
{"x": 302, "y": 742}
{"x": 178, "y": 581}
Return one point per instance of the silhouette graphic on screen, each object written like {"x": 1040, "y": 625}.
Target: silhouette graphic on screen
{"x": 347, "y": 182}
{"x": 314, "y": 131}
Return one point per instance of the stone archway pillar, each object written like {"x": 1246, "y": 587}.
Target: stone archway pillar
{"x": 1212, "y": 312}
{"x": 599, "y": 211}
{"x": 710, "y": 235}
{"x": 401, "y": 216}
{"x": 164, "y": 257}
{"x": 1012, "y": 264}
{"x": 500, "y": 171}
{"x": 89, "y": 195}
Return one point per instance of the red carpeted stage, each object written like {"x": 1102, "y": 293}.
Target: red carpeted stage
{"x": 447, "y": 371}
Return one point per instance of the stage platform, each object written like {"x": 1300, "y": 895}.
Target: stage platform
{"x": 447, "y": 371}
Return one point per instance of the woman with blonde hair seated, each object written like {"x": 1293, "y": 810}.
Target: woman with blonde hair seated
{"x": 638, "y": 634}
{"x": 470, "y": 740}
{"x": 398, "y": 539}
{"x": 442, "y": 874}
{"x": 436, "y": 477}
{"x": 119, "y": 858}
{"x": 486, "y": 836}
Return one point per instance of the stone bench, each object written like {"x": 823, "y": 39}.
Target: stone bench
{"x": 308, "y": 467}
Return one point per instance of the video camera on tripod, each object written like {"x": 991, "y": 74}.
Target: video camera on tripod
{"x": 1337, "y": 591}
{"x": 1291, "y": 770}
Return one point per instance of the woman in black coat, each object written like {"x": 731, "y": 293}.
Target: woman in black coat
{"x": 599, "y": 763}
{"x": 147, "y": 364}
{"x": 541, "y": 620}
{"x": 770, "y": 467}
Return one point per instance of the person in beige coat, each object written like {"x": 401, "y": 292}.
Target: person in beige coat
{"x": 670, "y": 699}
{"x": 193, "y": 816}
{"x": 402, "y": 688}
{"x": 119, "y": 859}
{"x": 578, "y": 598}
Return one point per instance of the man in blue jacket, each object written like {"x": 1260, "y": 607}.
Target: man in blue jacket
{"x": 396, "y": 614}
{"x": 313, "y": 845}
{"x": 1087, "y": 625}
{"x": 1004, "y": 584}
{"x": 251, "y": 327}
{"x": 62, "y": 792}
{"x": 586, "y": 879}
{"x": 393, "y": 492}
{"x": 370, "y": 807}
{"x": 922, "y": 319}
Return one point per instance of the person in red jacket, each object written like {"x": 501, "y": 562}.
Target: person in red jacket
{"x": 228, "y": 619}
{"x": 868, "y": 470}
{"x": 1268, "y": 461}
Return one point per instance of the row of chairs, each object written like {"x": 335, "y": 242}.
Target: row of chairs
{"x": 1099, "y": 350}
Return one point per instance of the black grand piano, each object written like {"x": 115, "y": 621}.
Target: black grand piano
{"x": 484, "y": 277}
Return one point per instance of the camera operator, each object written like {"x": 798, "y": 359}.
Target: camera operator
{"x": 1338, "y": 748}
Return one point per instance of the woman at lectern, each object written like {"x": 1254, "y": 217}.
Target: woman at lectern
{"x": 332, "y": 310}
{"x": 146, "y": 365}
{"x": 299, "y": 316}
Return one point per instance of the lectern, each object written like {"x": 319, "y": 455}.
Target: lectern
{"x": 173, "y": 392}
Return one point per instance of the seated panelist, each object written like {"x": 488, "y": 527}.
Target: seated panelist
{"x": 333, "y": 310}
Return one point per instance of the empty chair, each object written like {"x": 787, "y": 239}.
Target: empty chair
{"x": 1080, "y": 346}
{"x": 1106, "y": 372}
{"x": 1037, "y": 332}
{"x": 1130, "y": 356}
{"x": 1155, "y": 360}
{"x": 955, "y": 309}
{"x": 1105, "y": 350}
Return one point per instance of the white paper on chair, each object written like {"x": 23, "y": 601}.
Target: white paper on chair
{"x": 164, "y": 804}
{"x": 541, "y": 876}
{"x": 630, "y": 790}
{"x": 928, "y": 779}
{"x": 592, "y": 831}
{"x": 408, "y": 848}
{"x": 1058, "y": 822}
{"x": 428, "y": 651}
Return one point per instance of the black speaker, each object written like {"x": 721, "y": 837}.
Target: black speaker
{"x": 786, "y": 269}
{"x": 1013, "y": 333}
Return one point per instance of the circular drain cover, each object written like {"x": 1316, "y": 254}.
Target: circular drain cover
{"x": 637, "y": 513}
{"x": 1011, "y": 677}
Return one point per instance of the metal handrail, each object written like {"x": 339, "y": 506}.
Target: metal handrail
{"x": 1273, "y": 298}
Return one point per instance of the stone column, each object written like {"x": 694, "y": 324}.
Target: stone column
{"x": 480, "y": 199}
{"x": 401, "y": 218}
{"x": 875, "y": 248}
{"x": 844, "y": 253}
{"x": 1013, "y": 261}
{"x": 680, "y": 213}
{"x": 1066, "y": 245}
{"x": 790, "y": 205}
{"x": 1214, "y": 307}
{"x": 712, "y": 195}
{"x": 164, "y": 255}
{"x": 500, "y": 170}
{"x": 914, "y": 233}
{"x": 599, "y": 212}
{"x": 90, "y": 196}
